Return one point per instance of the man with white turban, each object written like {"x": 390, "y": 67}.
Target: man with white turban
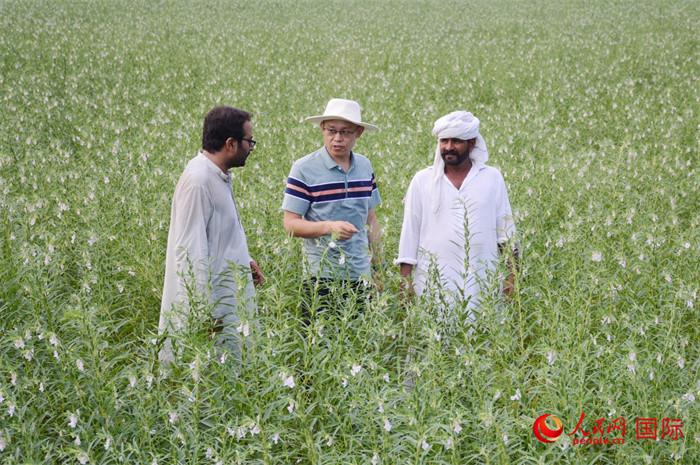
{"x": 457, "y": 219}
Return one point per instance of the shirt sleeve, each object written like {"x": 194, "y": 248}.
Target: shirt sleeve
{"x": 375, "y": 200}
{"x": 192, "y": 211}
{"x": 297, "y": 196}
{"x": 505, "y": 229}
{"x": 410, "y": 231}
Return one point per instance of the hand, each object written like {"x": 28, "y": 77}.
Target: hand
{"x": 509, "y": 289}
{"x": 407, "y": 291}
{"x": 258, "y": 278}
{"x": 343, "y": 230}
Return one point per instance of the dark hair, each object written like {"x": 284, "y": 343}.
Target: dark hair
{"x": 220, "y": 124}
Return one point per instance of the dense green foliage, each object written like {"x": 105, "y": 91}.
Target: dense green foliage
{"x": 590, "y": 109}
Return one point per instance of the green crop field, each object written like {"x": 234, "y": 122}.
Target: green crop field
{"x": 590, "y": 109}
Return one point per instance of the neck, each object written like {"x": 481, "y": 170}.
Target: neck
{"x": 218, "y": 159}
{"x": 458, "y": 173}
{"x": 343, "y": 161}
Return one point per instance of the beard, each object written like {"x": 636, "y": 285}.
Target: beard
{"x": 456, "y": 159}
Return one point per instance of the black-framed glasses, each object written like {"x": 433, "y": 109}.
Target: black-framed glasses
{"x": 344, "y": 133}
{"x": 251, "y": 142}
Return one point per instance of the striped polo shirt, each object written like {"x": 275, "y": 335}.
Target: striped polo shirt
{"x": 318, "y": 189}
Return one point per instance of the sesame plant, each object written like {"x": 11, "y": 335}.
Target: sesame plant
{"x": 591, "y": 110}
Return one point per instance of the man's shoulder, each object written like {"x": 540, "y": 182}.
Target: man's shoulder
{"x": 423, "y": 175}
{"x": 313, "y": 158}
{"x": 197, "y": 173}
{"x": 491, "y": 171}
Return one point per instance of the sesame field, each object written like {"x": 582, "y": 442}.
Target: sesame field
{"x": 591, "y": 111}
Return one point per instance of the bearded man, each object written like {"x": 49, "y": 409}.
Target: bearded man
{"x": 457, "y": 219}
{"x": 207, "y": 247}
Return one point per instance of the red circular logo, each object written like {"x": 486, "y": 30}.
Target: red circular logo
{"x": 542, "y": 431}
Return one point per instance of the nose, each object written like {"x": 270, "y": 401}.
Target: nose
{"x": 449, "y": 144}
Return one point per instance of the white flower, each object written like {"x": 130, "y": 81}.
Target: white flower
{"x": 132, "y": 380}
{"x": 3, "y": 444}
{"x": 560, "y": 243}
{"x": 276, "y": 438}
{"x": 345, "y": 382}
{"x": 355, "y": 369}
{"x": 658, "y": 358}
{"x": 381, "y": 408}
{"x": 77, "y": 440}
{"x": 449, "y": 444}
{"x": 240, "y": 433}
{"x": 516, "y": 396}
{"x": 505, "y": 438}
{"x": 108, "y": 442}
{"x": 19, "y": 343}
{"x": 341, "y": 260}
{"x": 83, "y": 459}
{"x": 11, "y": 410}
{"x": 290, "y": 407}
{"x": 375, "y": 459}
{"x": 330, "y": 442}
{"x": 457, "y": 429}
{"x": 73, "y": 422}
{"x": 681, "y": 362}
{"x": 173, "y": 417}
{"x": 79, "y": 364}
{"x": 387, "y": 425}
{"x": 53, "y": 340}
{"x": 244, "y": 328}
{"x": 689, "y": 397}
{"x": 597, "y": 256}
{"x": 2, "y": 398}
{"x": 551, "y": 357}
{"x": 289, "y": 382}
{"x": 255, "y": 430}
{"x": 386, "y": 377}
{"x": 425, "y": 445}
{"x": 632, "y": 356}
{"x": 332, "y": 245}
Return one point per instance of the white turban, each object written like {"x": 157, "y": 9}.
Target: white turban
{"x": 457, "y": 125}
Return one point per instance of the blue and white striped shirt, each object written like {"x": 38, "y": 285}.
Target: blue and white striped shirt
{"x": 318, "y": 189}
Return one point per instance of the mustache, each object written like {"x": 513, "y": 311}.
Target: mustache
{"x": 450, "y": 152}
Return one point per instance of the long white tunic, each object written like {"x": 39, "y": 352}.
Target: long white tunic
{"x": 478, "y": 211}
{"x": 207, "y": 253}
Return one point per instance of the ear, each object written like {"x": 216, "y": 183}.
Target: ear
{"x": 232, "y": 141}
{"x": 360, "y": 130}
{"x": 472, "y": 144}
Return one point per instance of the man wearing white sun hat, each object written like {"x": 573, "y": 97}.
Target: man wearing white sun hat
{"x": 457, "y": 218}
{"x": 329, "y": 201}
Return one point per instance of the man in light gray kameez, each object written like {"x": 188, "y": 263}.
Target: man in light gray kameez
{"x": 207, "y": 263}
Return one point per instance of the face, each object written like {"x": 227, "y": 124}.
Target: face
{"x": 241, "y": 148}
{"x": 339, "y": 146}
{"x": 455, "y": 151}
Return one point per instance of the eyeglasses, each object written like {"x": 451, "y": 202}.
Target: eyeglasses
{"x": 251, "y": 142}
{"x": 343, "y": 134}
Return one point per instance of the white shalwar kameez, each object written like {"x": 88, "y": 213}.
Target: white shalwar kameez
{"x": 479, "y": 210}
{"x": 207, "y": 253}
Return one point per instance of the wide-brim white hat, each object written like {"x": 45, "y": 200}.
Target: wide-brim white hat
{"x": 347, "y": 110}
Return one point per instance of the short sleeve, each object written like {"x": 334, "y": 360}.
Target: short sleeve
{"x": 297, "y": 196}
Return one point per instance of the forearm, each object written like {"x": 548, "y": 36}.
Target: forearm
{"x": 406, "y": 270}
{"x": 374, "y": 236}
{"x": 512, "y": 259}
{"x": 299, "y": 227}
